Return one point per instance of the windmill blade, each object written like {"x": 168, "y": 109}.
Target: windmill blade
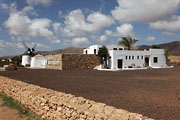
{"x": 34, "y": 46}
{"x": 25, "y": 45}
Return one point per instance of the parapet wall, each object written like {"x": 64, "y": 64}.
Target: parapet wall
{"x": 55, "y": 105}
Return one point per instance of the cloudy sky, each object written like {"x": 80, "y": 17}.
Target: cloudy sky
{"x": 55, "y": 24}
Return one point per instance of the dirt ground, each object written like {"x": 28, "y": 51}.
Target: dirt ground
{"x": 153, "y": 92}
{"x": 9, "y": 114}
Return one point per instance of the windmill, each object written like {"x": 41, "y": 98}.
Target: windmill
{"x": 29, "y": 51}
{"x": 26, "y": 57}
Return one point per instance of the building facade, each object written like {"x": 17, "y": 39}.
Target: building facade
{"x": 124, "y": 59}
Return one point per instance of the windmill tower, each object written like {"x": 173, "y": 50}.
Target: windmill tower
{"x": 26, "y": 57}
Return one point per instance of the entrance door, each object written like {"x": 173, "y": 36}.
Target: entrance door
{"x": 120, "y": 63}
{"x": 95, "y": 51}
{"x": 147, "y": 61}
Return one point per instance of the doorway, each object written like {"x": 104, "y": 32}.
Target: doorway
{"x": 95, "y": 51}
{"x": 120, "y": 63}
{"x": 147, "y": 61}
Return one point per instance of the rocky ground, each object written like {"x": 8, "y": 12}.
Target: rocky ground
{"x": 152, "y": 92}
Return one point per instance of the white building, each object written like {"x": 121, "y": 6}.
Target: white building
{"x": 122, "y": 59}
{"x": 37, "y": 61}
{"x": 95, "y": 48}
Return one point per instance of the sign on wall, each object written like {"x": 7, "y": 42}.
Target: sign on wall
{"x": 54, "y": 63}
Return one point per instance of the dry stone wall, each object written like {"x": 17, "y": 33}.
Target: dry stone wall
{"x": 72, "y": 61}
{"x": 55, "y": 105}
{"x": 79, "y": 61}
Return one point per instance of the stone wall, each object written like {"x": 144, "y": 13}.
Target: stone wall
{"x": 79, "y": 61}
{"x": 54, "y": 61}
{"x": 174, "y": 59}
{"x": 72, "y": 61}
{"x": 55, "y": 105}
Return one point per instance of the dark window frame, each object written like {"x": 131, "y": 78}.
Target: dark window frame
{"x": 137, "y": 57}
{"x": 114, "y": 48}
{"x": 126, "y": 57}
{"x": 155, "y": 59}
{"x": 133, "y": 57}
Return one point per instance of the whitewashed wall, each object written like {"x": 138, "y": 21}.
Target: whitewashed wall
{"x": 26, "y": 60}
{"x": 161, "y": 58}
{"x": 121, "y": 54}
{"x": 90, "y": 49}
{"x": 38, "y": 62}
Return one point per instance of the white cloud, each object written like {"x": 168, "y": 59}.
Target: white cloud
{"x": 102, "y": 5}
{"x": 22, "y": 27}
{"x": 60, "y": 14}
{"x": 170, "y": 34}
{"x": 9, "y": 48}
{"x": 12, "y": 8}
{"x": 39, "y": 45}
{"x": 103, "y": 38}
{"x": 76, "y": 25}
{"x": 39, "y": 2}
{"x": 80, "y": 42}
{"x": 108, "y": 32}
{"x": 150, "y": 39}
{"x": 144, "y": 10}
{"x": 14, "y": 48}
{"x": 172, "y": 24}
{"x": 9, "y": 8}
{"x": 57, "y": 27}
{"x": 124, "y": 30}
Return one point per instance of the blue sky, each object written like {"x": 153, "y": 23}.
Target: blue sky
{"x": 56, "y": 24}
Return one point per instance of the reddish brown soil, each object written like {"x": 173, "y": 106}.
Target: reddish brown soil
{"x": 9, "y": 114}
{"x": 154, "y": 92}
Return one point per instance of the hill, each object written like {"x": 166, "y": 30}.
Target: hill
{"x": 69, "y": 50}
{"x": 174, "y": 47}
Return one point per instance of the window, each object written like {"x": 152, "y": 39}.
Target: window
{"x": 129, "y": 57}
{"x": 114, "y": 48}
{"x": 86, "y": 52}
{"x": 142, "y": 57}
{"x": 155, "y": 59}
{"x": 120, "y": 49}
{"x": 133, "y": 57}
{"x": 126, "y": 57}
{"x": 138, "y": 57}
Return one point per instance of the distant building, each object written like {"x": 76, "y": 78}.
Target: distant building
{"x": 95, "y": 48}
{"x": 123, "y": 59}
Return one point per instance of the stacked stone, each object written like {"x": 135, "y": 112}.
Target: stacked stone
{"x": 55, "y": 105}
{"x": 79, "y": 61}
